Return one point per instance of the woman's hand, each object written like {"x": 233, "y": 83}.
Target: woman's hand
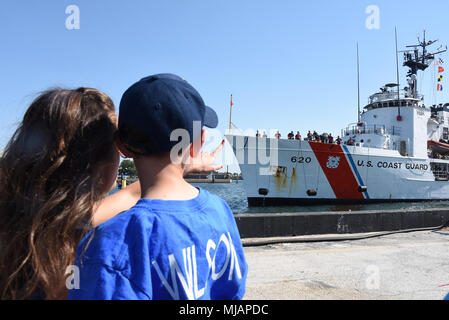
{"x": 204, "y": 161}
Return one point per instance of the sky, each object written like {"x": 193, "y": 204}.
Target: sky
{"x": 289, "y": 64}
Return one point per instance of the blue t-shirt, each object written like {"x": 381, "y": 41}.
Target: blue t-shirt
{"x": 163, "y": 249}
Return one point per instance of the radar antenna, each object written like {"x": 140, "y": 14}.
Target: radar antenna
{"x": 418, "y": 60}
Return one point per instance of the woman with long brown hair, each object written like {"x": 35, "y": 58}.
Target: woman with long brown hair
{"x": 55, "y": 174}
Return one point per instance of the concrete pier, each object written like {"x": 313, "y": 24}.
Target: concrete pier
{"x": 296, "y": 256}
{"x": 349, "y": 222}
{"x": 404, "y": 266}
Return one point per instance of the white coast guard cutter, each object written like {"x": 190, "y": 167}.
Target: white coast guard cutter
{"x": 399, "y": 152}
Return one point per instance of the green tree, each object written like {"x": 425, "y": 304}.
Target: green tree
{"x": 127, "y": 167}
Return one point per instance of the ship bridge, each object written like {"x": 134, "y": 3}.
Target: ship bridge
{"x": 389, "y": 98}
{"x": 393, "y": 119}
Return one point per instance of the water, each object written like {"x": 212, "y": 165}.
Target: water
{"x": 235, "y": 196}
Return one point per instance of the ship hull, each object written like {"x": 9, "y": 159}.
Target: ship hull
{"x": 274, "y": 202}
{"x": 302, "y": 173}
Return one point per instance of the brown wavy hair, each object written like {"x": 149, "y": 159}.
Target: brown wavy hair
{"x": 48, "y": 188}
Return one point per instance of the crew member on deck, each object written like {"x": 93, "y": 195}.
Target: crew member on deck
{"x": 277, "y": 135}
{"x": 350, "y": 142}
{"x": 298, "y": 136}
{"x": 291, "y": 135}
{"x": 324, "y": 137}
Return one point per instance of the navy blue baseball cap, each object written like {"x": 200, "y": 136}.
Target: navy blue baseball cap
{"x": 152, "y": 108}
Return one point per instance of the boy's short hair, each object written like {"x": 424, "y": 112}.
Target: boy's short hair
{"x": 152, "y": 108}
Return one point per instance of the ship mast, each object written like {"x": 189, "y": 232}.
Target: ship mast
{"x": 358, "y": 85}
{"x": 397, "y": 73}
{"x": 416, "y": 60}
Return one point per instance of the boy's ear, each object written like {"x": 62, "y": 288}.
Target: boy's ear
{"x": 203, "y": 136}
{"x": 197, "y": 145}
{"x": 121, "y": 147}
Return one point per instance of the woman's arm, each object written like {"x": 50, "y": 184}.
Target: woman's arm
{"x": 114, "y": 204}
{"x": 124, "y": 199}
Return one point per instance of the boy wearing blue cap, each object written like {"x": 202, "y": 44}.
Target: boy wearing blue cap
{"x": 178, "y": 241}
